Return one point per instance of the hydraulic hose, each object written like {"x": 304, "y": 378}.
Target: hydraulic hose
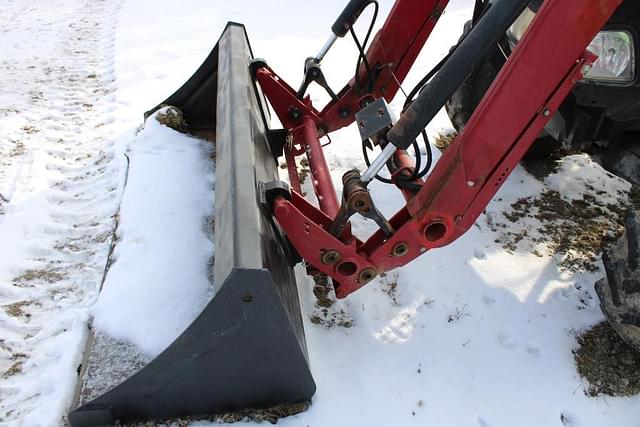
{"x": 462, "y": 62}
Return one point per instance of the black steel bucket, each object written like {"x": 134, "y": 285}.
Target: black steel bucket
{"x": 247, "y": 348}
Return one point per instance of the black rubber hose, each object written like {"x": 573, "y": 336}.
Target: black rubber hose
{"x": 462, "y": 62}
{"x": 362, "y": 55}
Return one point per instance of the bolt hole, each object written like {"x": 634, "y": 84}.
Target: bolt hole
{"x": 247, "y": 298}
{"x": 347, "y": 268}
{"x": 435, "y": 231}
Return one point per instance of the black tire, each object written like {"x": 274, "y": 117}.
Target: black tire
{"x": 619, "y": 291}
{"x": 466, "y": 98}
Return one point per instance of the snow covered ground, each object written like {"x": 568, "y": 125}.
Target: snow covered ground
{"x": 468, "y": 335}
{"x": 60, "y": 181}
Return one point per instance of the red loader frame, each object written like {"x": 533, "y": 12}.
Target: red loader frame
{"x": 537, "y": 77}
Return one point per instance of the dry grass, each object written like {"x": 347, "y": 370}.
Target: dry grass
{"x": 173, "y": 118}
{"x": 39, "y": 275}
{"x": 443, "y": 140}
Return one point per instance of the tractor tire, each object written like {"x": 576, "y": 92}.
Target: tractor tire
{"x": 619, "y": 291}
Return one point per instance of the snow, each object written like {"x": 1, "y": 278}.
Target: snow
{"x": 472, "y": 335}
{"x": 159, "y": 281}
{"x": 60, "y": 176}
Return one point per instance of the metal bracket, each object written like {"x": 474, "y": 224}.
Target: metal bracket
{"x": 356, "y": 199}
{"x": 313, "y": 73}
{"x": 268, "y": 192}
{"x": 374, "y": 119}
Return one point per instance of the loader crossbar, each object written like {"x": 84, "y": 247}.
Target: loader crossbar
{"x": 529, "y": 89}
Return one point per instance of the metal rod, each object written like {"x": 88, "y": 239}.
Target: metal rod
{"x": 320, "y": 175}
{"x": 378, "y": 163}
{"x": 326, "y": 47}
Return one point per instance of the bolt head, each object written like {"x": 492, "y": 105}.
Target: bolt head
{"x": 295, "y": 114}
{"x": 366, "y": 275}
{"x": 330, "y": 257}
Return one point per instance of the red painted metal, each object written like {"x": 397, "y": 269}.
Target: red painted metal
{"x": 320, "y": 175}
{"x": 529, "y": 89}
{"x": 289, "y": 109}
{"x": 393, "y": 52}
{"x": 306, "y": 228}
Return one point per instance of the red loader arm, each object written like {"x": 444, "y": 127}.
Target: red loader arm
{"x": 537, "y": 77}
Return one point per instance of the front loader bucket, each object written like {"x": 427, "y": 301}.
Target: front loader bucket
{"x": 247, "y": 348}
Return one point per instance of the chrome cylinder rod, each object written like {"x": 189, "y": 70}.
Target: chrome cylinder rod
{"x": 378, "y": 163}
{"x": 326, "y": 48}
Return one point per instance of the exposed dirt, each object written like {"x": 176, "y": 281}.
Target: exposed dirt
{"x": 390, "y": 286}
{"x": 14, "y": 369}
{"x": 608, "y": 364}
{"x": 303, "y": 170}
{"x": 323, "y": 291}
{"x": 40, "y": 275}
{"x": 18, "y": 149}
{"x": 15, "y": 358}
{"x": 542, "y": 167}
{"x": 575, "y": 229}
{"x": 326, "y": 312}
{"x": 17, "y": 309}
{"x": 270, "y": 415}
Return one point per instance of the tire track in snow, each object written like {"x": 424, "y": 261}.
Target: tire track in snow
{"x": 60, "y": 180}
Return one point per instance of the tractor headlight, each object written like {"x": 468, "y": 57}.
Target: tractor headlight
{"x": 614, "y": 48}
{"x": 615, "y": 57}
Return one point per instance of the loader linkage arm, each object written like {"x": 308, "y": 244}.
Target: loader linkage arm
{"x": 537, "y": 77}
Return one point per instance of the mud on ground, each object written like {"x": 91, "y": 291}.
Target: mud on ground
{"x": 327, "y": 311}
{"x": 609, "y": 366}
{"x": 573, "y": 230}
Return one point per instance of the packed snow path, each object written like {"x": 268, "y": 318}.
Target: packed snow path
{"x": 60, "y": 183}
